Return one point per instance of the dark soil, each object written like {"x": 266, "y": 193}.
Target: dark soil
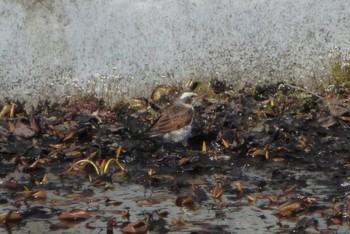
{"x": 270, "y": 159}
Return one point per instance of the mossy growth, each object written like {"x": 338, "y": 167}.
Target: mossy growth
{"x": 339, "y": 70}
{"x": 341, "y": 73}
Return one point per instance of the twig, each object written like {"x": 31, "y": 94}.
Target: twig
{"x": 304, "y": 90}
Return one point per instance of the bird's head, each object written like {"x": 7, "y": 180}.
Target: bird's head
{"x": 187, "y": 97}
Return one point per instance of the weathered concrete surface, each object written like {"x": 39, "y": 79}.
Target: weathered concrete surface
{"x": 53, "y": 48}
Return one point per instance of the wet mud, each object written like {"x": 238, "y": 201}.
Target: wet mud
{"x": 267, "y": 159}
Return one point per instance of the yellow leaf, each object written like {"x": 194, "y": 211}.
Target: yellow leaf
{"x": 225, "y": 143}
{"x": 204, "y": 147}
{"x": 151, "y": 172}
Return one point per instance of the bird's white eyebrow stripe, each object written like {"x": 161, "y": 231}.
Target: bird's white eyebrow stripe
{"x": 187, "y": 94}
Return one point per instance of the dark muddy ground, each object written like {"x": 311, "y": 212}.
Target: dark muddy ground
{"x": 271, "y": 159}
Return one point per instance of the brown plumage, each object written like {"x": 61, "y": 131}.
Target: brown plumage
{"x": 175, "y": 123}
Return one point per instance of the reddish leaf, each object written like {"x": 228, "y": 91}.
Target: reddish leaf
{"x": 217, "y": 191}
{"x": 162, "y": 213}
{"x": 182, "y": 161}
{"x": 10, "y": 216}
{"x": 75, "y": 214}
{"x": 113, "y": 202}
{"x": 135, "y": 227}
{"x": 33, "y": 194}
{"x": 178, "y": 221}
{"x": 40, "y": 195}
{"x": 184, "y": 201}
{"x": 289, "y": 190}
{"x": 345, "y": 118}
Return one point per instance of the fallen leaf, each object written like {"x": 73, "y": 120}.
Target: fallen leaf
{"x": 182, "y": 161}
{"x": 279, "y": 159}
{"x": 162, "y": 213}
{"x": 6, "y": 110}
{"x": 40, "y": 195}
{"x": 345, "y": 118}
{"x": 224, "y": 142}
{"x": 288, "y": 208}
{"x": 178, "y": 221}
{"x": 204, "y": 147}
{"x": 255, "y": 152}
{"x": 238, "y": 185}
{"x": 113, "y": 202}
{"x": 217, "y": 191}
{"x": 74, "y": 214}
{"x": 139, "y": 227}
{"x": 10, "y": 216}
{"x": 251, "y": 198}
{"x": 33, "y": 194}
{"x": 184, "y": 201}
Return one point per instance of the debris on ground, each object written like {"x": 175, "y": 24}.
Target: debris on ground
{"x": 276, "y": 150}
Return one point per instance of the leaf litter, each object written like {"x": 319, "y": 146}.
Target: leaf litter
{"x": 271, "y": 158}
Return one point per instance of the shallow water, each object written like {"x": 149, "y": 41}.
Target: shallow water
{"x": 233, "y": 214}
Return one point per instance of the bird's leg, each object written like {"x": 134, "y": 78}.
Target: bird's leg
{"x": 184, "y": 143}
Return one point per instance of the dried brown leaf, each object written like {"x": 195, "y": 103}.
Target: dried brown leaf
{"x": 251, "y": 198}
{"x": 178, "y": 221}
{"x": 68, "y": 136}
{"x": 113, "y": 202}
{"x": 164, "y": 177}
{"x": 182, "y": 161}
{"x": 288, "y": 208}
{"x": 145, "y": 202}
{"x": 278, "y": 159}
{"x": 39, "y": 195}
{"x": 184, "y": 201}
{"x": 162, "y": 213}
{"x": 74, "y": 214}
{"x": 345, "y": 118}
{"x": 238, "y": 185}
{"x": 76, "y": 196}
{"x": 10, "y": 216}
{"x": 6, "y": 109}
{"x": 217, "y": 191}
{"x": 34, "y": 194}
{"x": 272, "y": 197}
{"x": 139, "y": 227}
{"x": 255, "y": 152}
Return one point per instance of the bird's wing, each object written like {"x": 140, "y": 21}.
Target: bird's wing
{"x": 172, "y": 119}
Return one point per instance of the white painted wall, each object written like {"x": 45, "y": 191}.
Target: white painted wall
{"x": 46, "y": 44}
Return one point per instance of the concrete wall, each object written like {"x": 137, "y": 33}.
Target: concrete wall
{"x": 53, "y": 48}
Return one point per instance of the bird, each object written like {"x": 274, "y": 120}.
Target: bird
{"x": 175, "y": 123}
